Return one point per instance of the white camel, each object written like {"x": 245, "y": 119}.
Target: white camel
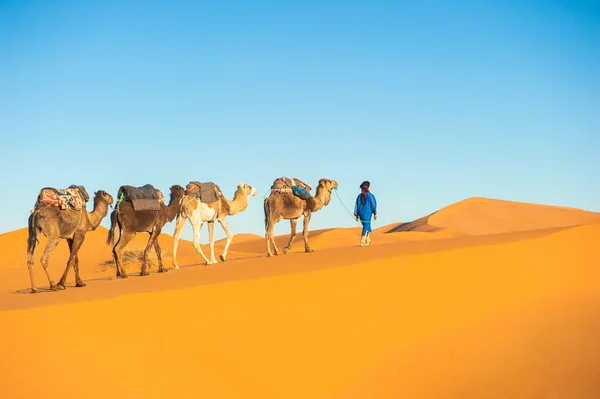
{"x": 199, "y": 212}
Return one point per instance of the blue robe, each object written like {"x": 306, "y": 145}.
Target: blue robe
{"x": 366, "y": 211}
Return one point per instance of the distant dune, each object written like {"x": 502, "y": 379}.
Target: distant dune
{"x": 480, "y": 216}
{"x": 481, "y": 299}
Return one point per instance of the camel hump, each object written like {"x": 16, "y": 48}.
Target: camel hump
{"x": 301, "y": 184}
{"x": 205, "y": 192}
{"x": 144, "y": 198}
{"x": 284, "y": 182}
{"x": 71, "y": 198}
{"x": 144, "y": 192}
{"x": 295, "y": 186}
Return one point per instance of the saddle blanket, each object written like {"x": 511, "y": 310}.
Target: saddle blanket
{"x": 294, "y": 186}
{"x": 300, "y": 192}
{"x": 144, "y": 198}
{"x": 283, "y": 183}
{"x": 69, "y": 198}
{"x": 205, "y": 192}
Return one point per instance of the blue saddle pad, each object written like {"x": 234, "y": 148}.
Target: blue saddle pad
{"x": 300, "y": 192}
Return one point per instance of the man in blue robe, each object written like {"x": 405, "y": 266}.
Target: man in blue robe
{"x": 365, "y": 208}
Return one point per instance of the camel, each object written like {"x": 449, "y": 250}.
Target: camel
{"x": 199, "y": 212}
{"x": 286, "y": 205}
{"x": 130, "y": 222}
{"x": 56, "y": 223}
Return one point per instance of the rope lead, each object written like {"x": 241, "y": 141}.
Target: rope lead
{"x": 347, "y": 210}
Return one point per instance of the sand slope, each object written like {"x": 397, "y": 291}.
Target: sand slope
{"x": 506, "y": 315}
{"x": 479, "y": 216}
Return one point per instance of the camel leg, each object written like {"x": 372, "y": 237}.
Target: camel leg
{"x": 179, "y": 225}
{"x": 33, "y": 290}
{"x": 78, "y": 281}
{"x": 30, "y": 264}
{"x": 293, "y": 224}
{"x": 223, "y": 222}
{"x": 34, "y": 232}
{"x": 271, "y": 239}
{"x": 161, "y": 268}
{"x": 124, "y": 239}
{"x": 305, "y": 232}
{"x": 270, "y": 221}
{"x": 211, "y": 240}
{"x": 197, "y": 229}
{"x": 51, "y": 243}
{"x": 74, "y": 245}
{"x": 268, "y": 239}
{"x": 153, "y": 236}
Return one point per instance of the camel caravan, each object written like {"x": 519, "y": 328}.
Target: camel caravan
{"x": 62, "y": 213}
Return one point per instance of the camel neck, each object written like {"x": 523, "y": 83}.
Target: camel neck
{"x": 321, "y": 198}
{"x": 172, "y": 208}
{"x": 100, "y": 210}
{"x": 239, "y": 203}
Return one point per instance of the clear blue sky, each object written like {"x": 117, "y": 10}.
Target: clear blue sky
{"x": 432, "y": 101}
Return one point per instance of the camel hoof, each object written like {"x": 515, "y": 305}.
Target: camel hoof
{"x": 309, "y": 250}
{"x": 80, "y": 284}
{"x": 33, "y": 291}
{"x": 122, "y": 275}
{"x": 222, "y": 258}
{"x": 162, "y": 270}
{"x": 144, "y": 273}
{"x": 58, "y": 287}
{"x": 285, "y": 250}
{"x": 175, "y": 266}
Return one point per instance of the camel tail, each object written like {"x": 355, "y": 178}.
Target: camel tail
{"x": 32, "y": 239}
{"x": 110, "y": 239}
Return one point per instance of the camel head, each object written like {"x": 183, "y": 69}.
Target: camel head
{"x": 248, "y": 189}
{"x": 177, "y": 191}
{"x": 103, "y": 195}
{"x": 328, "y": 184}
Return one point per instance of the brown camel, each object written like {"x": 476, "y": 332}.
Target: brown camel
{"x": 199, "y": 212}
{"x": 130, "y": 222}
{"x": 56, "y": 223}
{"x": 286, "y": 205}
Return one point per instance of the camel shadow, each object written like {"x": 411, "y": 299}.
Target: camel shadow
{"x": 27, "y": 291}
{"x": 45, "y": 290}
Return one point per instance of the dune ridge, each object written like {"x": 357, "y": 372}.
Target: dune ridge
{"x": 481, "y": 216}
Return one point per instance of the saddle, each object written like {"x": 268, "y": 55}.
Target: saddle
{"x": 71, "y": 198}
{"x": 295, "y": 186}
{"x": 144, "y": 198}
{"x": 204, "y": 192}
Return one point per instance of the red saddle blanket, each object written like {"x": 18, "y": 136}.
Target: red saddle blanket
{"x": 69, "y": 198}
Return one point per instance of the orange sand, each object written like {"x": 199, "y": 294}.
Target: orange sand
{"x": 479, "y": 307}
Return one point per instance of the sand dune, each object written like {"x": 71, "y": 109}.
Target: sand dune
{"x": 448, "y": 312}
{"x": 479, "y": 216}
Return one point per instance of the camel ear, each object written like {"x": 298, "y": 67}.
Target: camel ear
{"x": 95, "y": 192}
